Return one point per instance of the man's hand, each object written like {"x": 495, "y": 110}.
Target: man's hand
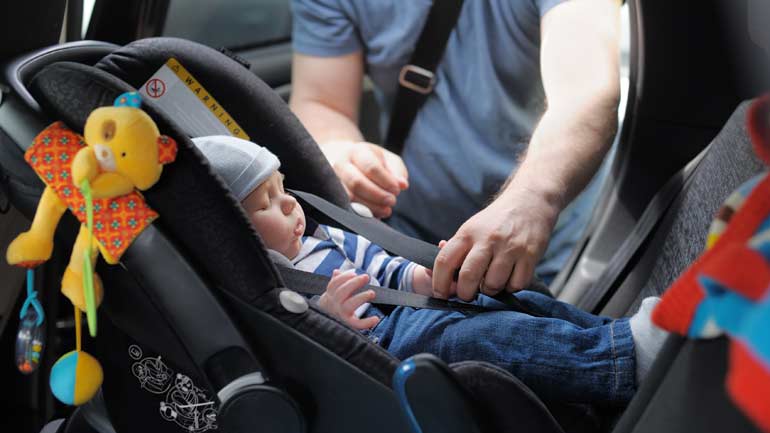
{"x": 339, "y": 301}
{"x": 372, "y": 175}
{"x": 499, "y": 247}
{"x": 496, "y": 249}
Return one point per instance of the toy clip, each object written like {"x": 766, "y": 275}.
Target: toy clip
{"x": 30, "y": 340}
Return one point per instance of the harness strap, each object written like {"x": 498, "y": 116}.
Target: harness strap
{"x": 314, "y": 284}
{"x": 398, "y": 244}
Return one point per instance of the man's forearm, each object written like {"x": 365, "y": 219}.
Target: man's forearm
{"x": 324, "y": 123}
{"x": 566, "y": 150}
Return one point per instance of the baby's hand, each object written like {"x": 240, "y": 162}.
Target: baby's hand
{"x": 340, "y": 301}
{"x": 422, "y": 279}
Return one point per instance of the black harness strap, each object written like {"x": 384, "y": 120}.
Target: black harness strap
{"x": 416, "y": 80}
{"x": 398, "y": 244}
{"x": 373, "y": 229}
{"x": 313, "y": 284}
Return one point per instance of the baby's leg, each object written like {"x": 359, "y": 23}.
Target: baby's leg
{"x": 550, "y": 307}
{"x": 559, "y": 360}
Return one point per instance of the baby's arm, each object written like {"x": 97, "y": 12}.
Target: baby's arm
{"x": 422, "y": 279}
{"x": 341, "y": 301}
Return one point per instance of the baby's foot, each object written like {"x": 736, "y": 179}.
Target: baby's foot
{"x": 648, "y": 338}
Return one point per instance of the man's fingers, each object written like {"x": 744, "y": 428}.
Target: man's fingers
{"x": 364, "y": 189}
{"x": 373, "y": 167}
{"x": 521, "y": 276}
{"x": 359, "y": 324}
{"x": 500, "y": 271}
{"x": 522, "y": 273}
{"x": 447, "y": 261}
{"x": 396, "y": 165}
{"x": 378, "y": 211}
{"x": 472, "y": 273}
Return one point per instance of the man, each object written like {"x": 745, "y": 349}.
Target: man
{"x": 476, "y": 137}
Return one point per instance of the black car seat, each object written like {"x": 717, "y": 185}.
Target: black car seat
{"x": 195, "y": 320}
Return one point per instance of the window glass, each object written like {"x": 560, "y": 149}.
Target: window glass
{"x": 229, "y": 23}
{"x": 88, "y": 8}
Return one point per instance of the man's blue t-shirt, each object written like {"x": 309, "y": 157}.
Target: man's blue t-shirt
{"x": 467, "y": 138}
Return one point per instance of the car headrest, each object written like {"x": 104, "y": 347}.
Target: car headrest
{"x": 262, "y": 114}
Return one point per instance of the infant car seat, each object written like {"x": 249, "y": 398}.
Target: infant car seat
{"x": 196, "y": 330}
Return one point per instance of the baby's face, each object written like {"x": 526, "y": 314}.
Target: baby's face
{"x": 276, "y": 216}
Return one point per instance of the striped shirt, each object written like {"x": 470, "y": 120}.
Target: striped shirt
{"x": 331, "y": 248}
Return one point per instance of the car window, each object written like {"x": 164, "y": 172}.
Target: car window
{"x": 232, "y": 24}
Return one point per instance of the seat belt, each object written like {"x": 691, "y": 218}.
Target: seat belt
{"x": 313, "y": 284}
{"x": 379, "y": 233}
{"x": 402, "y": 245}
{"x": 650, "y": 219}
{"x": 417, "y": 79}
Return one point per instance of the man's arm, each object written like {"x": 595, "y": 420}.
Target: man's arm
{"x": 326, "y": 93}
{"x": 499, "y": 247}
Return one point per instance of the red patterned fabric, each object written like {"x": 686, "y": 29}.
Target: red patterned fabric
{"x": 117, "y": 221}
{"x": 677, "y": 307}
{"x": 166, "y": 149}
{"x": 727, "y": 290}
{"x": 748, "y": 383}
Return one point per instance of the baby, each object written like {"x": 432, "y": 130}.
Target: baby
{"x": 566, "y": 355}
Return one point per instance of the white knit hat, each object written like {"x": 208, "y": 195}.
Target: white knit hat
{"x": 242, "y": 164}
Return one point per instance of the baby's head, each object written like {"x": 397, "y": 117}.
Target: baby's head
{"x": 251, "y": 173}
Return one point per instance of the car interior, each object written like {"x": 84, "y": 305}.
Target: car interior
{"x": 197, "y": 337}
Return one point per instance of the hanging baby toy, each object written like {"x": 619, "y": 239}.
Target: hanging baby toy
{"x": 97, "y": 179}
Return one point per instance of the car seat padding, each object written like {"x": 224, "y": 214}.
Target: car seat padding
{"x": 256, "y": 107}
{"x": 681, "y": 236}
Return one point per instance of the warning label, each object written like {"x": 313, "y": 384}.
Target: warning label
{"x": 183, "y": 98}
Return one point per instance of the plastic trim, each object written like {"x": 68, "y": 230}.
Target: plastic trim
{"x": 400, "y": 376}
{"x": 20, "y": 70}
{"x": 240, "y": 383}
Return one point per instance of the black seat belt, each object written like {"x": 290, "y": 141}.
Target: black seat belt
{"x": 653, "y": 214}
{"x": 376, "y": 231}
{"x": 399, "y": 244}
{"x": 417, "y": 79}
{"x": 313, "y": 284}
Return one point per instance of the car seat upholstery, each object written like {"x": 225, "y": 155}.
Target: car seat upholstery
{"x": 685, "y": 390}
{"x": 681, "y": 235}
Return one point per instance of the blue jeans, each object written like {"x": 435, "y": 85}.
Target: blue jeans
{"x": 568, "y": 355}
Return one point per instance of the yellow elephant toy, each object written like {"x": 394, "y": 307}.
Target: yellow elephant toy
{"x": 123, "y": 151}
